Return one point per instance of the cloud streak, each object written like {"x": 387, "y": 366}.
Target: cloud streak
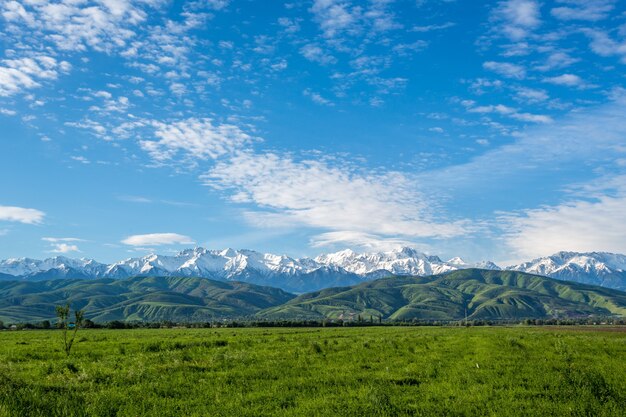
{"x": 21, "y": 215}
{"x": 329, "y": 195}
{"x": 583, "y": 225}
{"x": 157, "y": 239}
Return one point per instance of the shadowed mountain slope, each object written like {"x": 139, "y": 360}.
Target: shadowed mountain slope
{"x": 138, "y": 298}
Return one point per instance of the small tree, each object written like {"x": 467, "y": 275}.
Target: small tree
{"x": 63, "y": 313}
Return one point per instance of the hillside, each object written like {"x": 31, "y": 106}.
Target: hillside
{"x": 138, "y": 298}
{"x": 482, "y": 294}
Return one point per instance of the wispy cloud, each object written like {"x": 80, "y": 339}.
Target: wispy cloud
{"x": 507, "y": 111}
{"x": 603, "y": 45}
{"x": 157, "y": 239}
{"x": 61, "y": 239}
{"x": 567, "y": 80}
{"x": 64, "y": 248}
{"x": 62, "y": 244}
{"x": 327, "y": 195}
{"x": 21, "y": 215}
{"x": 194, "y": 139}
{"x": 18, "y": 75}
{"x": 430, "y": 28}
{"x": 364, "y": 241}
{"x": 335, "y": 16}
{"x": 595, "y": 223}
{"x": 317, "y": 98}
{"x": 590, "y": 10}
{"x": 517, "y": 18}
{"x": 76, "y": 26}
{"x": 506, "y": 69}
{"x": 315, "y": 53}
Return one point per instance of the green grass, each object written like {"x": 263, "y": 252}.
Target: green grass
{"x": 373, "y": 371}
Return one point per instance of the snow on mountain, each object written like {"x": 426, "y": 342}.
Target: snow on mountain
{"x": 27, "y": 266}
{"x": 404, "y": 261}
{"x": 345, "y": 267}
{"x": 234, "y": 264}
{"x": 598, "y": 268}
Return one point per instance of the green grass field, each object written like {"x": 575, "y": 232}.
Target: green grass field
{"x": 382, "y": 371}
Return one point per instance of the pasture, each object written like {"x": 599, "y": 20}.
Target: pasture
{"x": 357, "y": 371}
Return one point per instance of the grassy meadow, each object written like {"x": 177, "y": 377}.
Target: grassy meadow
{"x": 366, "y": 371}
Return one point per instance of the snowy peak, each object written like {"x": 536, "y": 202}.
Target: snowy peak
{"x": 598, "y": 268}
{"x": 28, "y": 266}
{"x": 599, "y": 263}
{"x": 402, "y": 261}
{"x": 457, "y": 261}
{"x": 230, "y": 264}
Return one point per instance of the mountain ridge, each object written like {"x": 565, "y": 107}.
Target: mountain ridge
{"x": 340, "y": 268}
{"x": 472, "y": 293}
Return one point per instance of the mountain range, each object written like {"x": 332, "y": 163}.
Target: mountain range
{"x": 471, "y": 293}
{"x": 343, "y": 268}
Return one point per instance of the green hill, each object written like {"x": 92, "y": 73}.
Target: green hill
{"x": 479, "y": 293}
{"x": 139, "y": 298}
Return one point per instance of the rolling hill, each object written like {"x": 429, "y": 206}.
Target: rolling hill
{"x": 483, "y": 294}
{"x": 137, "y": 299}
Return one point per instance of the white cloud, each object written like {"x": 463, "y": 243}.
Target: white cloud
{"x": 334, "y": 16}
{"x": 21, "y": 215}
{"x": 317, "y": 98}
{"x": 194, "y": 139}
{"x": 340, "y": 20}
{"x": 568, "y": 80}
{"x": 17, "y": 75}
{"x": 61, "y": 239}
{"x": 507, "y": 111}
{"x": 430, "y": 28}
{"x": 218, "y": 4}
{"x": 76, "y": 25}
{"x": 584, "y": 225}
{"x": 329, "y": 195}
{"x": 157, "y": 239}
{"x": 557, "y": 60}
{"x": 590, "y": 138}
{"x": 7, "y": 112}
{"x": 64, "y": 248}
{"x": 364, "y": 241}
{"x": 603, "y": 45}
{"x": 506, "y": 69}
{"x": 590, "y": 10}
{"x": 315, "y": 53}
{"x": 531, "y": 95}
{"x": 517, "y": 18}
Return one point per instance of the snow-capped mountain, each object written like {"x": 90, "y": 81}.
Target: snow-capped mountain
{"x": 307, "y": 274}
{"x": 27, "y": 267}
{"x": 341, "y": 268}
{"x": 405, "y": 261}
{"x": 597, "y": 268}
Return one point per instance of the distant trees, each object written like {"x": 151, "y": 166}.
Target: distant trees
{"x": 63, "y": 313}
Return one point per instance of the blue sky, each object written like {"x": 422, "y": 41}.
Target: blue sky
{"x": 487, "y": 130}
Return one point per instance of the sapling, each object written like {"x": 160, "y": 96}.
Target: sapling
{"x": 63, "y": 313}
